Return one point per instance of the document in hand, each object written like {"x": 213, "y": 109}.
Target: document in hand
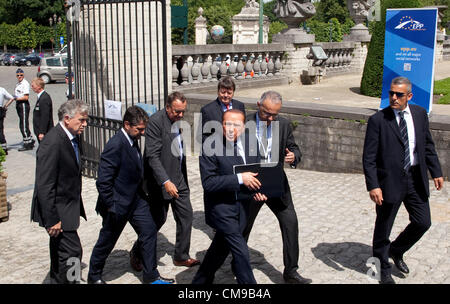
{"x": 269, "y": 174}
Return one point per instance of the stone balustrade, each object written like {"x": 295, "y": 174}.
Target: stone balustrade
{"x": 446, "y": 49}
{"x": 198, "y": 66}
{"x": 340, "y": 57}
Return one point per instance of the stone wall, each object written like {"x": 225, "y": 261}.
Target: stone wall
{"x": 331, "y": 138}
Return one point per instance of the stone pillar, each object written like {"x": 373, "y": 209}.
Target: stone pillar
{"x": 246, "y": 25}
{"x": 201, "y": 33}
{"x": 295, "y": 61}
{"x": 359, "y": 56}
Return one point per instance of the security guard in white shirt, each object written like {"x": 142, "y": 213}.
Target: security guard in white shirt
{"x": 4, "y": 95}
{"x": 21, "y": 95}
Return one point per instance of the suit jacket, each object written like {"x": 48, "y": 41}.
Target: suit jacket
{"x": 213, "y": 112}
{"x": 160, "y": 164}
{"x": 120, "y": 176}
{"x": 220, "y": 186}
{"x": 384, "y": 153}
{"x": 285, "y": 138}
{"x": 57, "y": 190}
{"x": 43, "y": 114}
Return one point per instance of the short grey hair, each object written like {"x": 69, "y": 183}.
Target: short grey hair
{"x": 273, "y": 96}
{"x": 71, "y": 108}
{"x": 402, "y": 80}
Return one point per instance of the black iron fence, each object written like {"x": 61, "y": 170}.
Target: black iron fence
{"x": 120, "y": 54}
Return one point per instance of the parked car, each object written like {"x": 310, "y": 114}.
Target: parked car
{"x": 52, "y": 68}
{"x": 29, "y": 59}
{"x": 15, "y": 58}
{"x": 6, "y": 59}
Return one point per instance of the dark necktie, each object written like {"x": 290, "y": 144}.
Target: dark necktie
{"x": 136, "y": 146}
{"x": 75, "y": 148}
{"x": 405, "y": 140}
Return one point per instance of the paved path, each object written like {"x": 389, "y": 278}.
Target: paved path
{"x": 335, "y": 214}
{"x": 340, "y": 91}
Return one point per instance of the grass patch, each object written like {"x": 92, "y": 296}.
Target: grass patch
{"x": 444, "y": 100}
{"x": 442, "y": 87}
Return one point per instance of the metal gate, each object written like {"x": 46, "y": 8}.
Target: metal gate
{"x": 119, "y": 53}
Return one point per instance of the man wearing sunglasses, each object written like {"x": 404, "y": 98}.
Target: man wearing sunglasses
{"x": 398, "y": 152}
{"x": 21, "y": 95}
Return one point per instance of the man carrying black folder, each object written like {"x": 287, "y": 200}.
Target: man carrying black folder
{"x": 276, "y": 143}
{"x": 224, "y": 211}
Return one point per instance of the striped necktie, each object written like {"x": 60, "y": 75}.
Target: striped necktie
{"x": 405, "y": 140}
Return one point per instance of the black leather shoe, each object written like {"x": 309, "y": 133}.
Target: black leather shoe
{"x": 26, "y": 147}
{"x": 99, "y": 281}
{"x": 295, "y": 278}
{"x": 386, "y": 279}
{"x": 398, "y": 261}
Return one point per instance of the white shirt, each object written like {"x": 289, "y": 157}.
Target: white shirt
{"x": 127, "y": 137}
{"x": 411, "y": 134}
{"x": 241, "y": 153}
{"x": 22, "y": 89}
{"x": 3, "y": 94}
{"x": 259, "y": 125}
{"x": 39, "y": 94}
{"x": 70, "y": 135}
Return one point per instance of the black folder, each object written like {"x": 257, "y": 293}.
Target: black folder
{"x": 269, "y": 174}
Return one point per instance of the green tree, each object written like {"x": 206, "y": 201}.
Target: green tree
{"x": 371, "y": 81}
{"x": 327, "y": 9}
{"x": 38, "y": 10}
{"x": 7, "y": 35}
{"x": 215, "y": 11}
{"x": 44, "y": 34}
{"x": 26, "y": 34}
{"x": 276, "y": 27}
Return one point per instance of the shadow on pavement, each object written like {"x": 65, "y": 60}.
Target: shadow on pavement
{"x": 350, "y": 255}
{"x": 257, "y": 259}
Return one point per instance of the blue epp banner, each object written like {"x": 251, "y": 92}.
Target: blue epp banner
{"x": 409, "y": 51}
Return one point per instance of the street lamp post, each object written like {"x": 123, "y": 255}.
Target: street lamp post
{"x": 53, "y": 22}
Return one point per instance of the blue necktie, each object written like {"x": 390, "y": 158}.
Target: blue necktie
{"x": 75, "y": 148}
{"x": 405, "y": 140}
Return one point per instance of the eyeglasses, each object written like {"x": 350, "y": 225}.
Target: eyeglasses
{"x": 19, "y": 75}
{"x": 398, "y": 94}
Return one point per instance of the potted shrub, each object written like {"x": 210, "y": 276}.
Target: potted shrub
{"x": 4, "y": 211}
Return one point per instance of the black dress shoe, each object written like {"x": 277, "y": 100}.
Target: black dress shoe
{"x": 386, "y": 279}
{"x": 99, "y": 281}
{"x": 26, "y": 147}
{"x": 398, "y": 261}
{"x": 295, "y": 278}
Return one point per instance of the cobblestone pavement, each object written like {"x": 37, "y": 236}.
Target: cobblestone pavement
{"x": 336, "y": 221}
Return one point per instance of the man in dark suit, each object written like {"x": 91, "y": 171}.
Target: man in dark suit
{"x": 121, "y": 199}
{"x": 223, "y": 211}
{"x": 43, "y": 110}
{"x": 398, "y": 151}
{"x": 166, "y": 177}
{"x": 276, "y": 143}
{"x": 57, "y": 203}
{"x": 213, "y": 111}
